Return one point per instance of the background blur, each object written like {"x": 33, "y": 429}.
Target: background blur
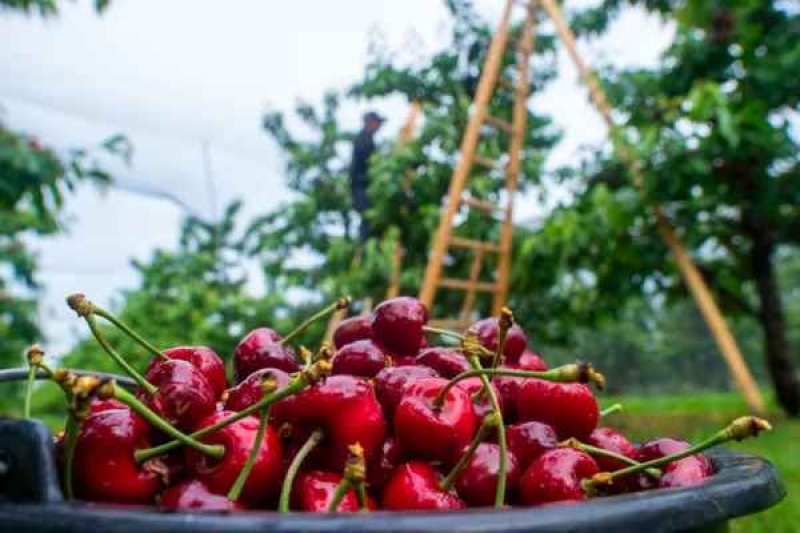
{"x": 185, "y": 164}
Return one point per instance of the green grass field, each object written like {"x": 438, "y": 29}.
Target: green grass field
{"x": 696, "y": 416}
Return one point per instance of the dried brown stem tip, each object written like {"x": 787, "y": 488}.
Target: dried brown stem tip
{"x": 325, "y": 353}
{"x": 747, "y": 426}
{"x": 65, "y": 378}
{"x": 355, "y": 470}
{"x": 269, "y": 384}
{"x": 78, "y": 303}
{"x": 305, "y": 355}
{"x": 318, "y": 371}
{"x": 506, "y": 318}
{"x": 472, "y": 347}
{"x": 588, "y": 374}
{"x": 343, "y": 302}
{"x": 35, "y": 355}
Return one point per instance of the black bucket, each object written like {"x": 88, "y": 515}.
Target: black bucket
{"x": 31, "y": 501}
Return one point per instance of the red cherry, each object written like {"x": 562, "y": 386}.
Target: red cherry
{"x": 487, "y": 331}
{"x": 686, "y": 472}
{"x": 508, "y": 387}
{"x": 404, "y": 360}
{"x": 390, "y": 384}
{"x": 529, "y": 440}
{"x": 530, "y": 360}
{"x": 249, "y": 391}
{"x": 351, "y": 330}
{"x": 360, "y": 358}
{"x": 477, "y": 483}
{"x": 313, "y": 492}
{"x": 433, "y": 432}
{"x": 345, "y": 408}
{"x": 388, "y": 458}
{"x": 98, "y": 405}
{"x": 184, "y": 395}
{"x": 682, "y": 473}
{"x": 204, "y": 359}
{"x": 260, "y": 349}
{"x": 104, "y": 468}
{"x": 613, "y": 441}
{"x": 238, "y": 438}
{"x": 483, "y": 405}
{"x": 194, "y": 494}
{"x": 414, "y": 486}
{"x": 448, "y": 363}
{"x": 397, "y": 324}
{"x": 555, "y": 476}
{"x": 570, "y": 408}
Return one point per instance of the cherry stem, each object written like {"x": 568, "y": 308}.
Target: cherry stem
{"x": 71, "y": 429}
{"x": 500, "y": 490}
{"x": 238, "y": 485}
{"x": 443, "y": 332}
{"x": 132, "y": 372}
{"x": 571, "y": 373}
{"x": 299, "y": 383}
{"x": 355, "y": 472}
{"x": 341, "y": 303}
{"x": 489, "y": 423}
{"x": 341, "y": 491}
{"x": 32, "y": 371}
{"x": 361, "y": 496}
{"x": 216, "y": 450}
{"x": 739, "y": 429}
{"x": 611, "y": 409}
{"x": 291, "y": 473}
{"x": 602, "y": 452}
{"x": 503, "y": 325}
{"x": 141, "y": 341}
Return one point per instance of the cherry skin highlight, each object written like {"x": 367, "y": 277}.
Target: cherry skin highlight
{"x": 613, "y": 441}
{"x": 529, "y": 440}
{"x": 448, "y": 363}
{"x": 184, "y": 395}
{"x": 351, "y": 330}
{"x": 397, "y": 325}
{"x": 360, "y": 358}
{"x": 555, "y": 476}
{"x": 194, "y": 495}
{"x": 260, "y": 349}
{"x": 390, "y": 384}
{"x": 204, "y": 359}
{"x": 313, "y": 492}
{"x": 414, "y": 486}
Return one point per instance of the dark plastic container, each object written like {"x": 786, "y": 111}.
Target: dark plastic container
{"x": 31, "y": 501}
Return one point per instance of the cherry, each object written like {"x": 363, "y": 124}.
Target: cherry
{"x": 529, "y": 440}
{"x": 570, "y": 408}
{"x": 397, "y": 324}
{"x": 414, "y": 486}
{"x": 314, "y": 490}
{"x": 352, "y": 329}
{"x": 384, "y": 463}
{"x": 184, "y": 396}
{"x": 238, "y": 438}
{"x": 204, "y": 359}
{"x": 390, "y": 384}
{"x": 261, "y": 349}
{"x": 431, "y": 431}
{"x": 104, "y": 467}
{"x": 613, "y": 441}
{"x": 249, "y": 391}
{"x": 481, "y": 405}
{"x": 404, "y": 360}
{"x": 487, "y": 331}
{"x": 99, "y": 405}
{"x": 530, "y": 360}
{"x": 682, "y": 473}
{"x": 347, "y": 411}
{"x": 555, "y": 476}
{"x": 194, "y": 494}
{"x": 448, "y": 363}
{"x": 477, "y": 483}
{"x": 360, "y": 358}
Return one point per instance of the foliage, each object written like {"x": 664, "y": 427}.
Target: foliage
{"x": 45, "y": 8}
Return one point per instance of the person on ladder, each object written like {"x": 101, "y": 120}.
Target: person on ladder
{"x": 363, "y": 148}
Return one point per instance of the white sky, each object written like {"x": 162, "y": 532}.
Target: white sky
{"x": 175, "y": 75}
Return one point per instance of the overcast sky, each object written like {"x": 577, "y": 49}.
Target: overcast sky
{"x": 178, "y": 75}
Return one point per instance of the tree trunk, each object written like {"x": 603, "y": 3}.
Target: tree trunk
{"x": 776, "y": 347}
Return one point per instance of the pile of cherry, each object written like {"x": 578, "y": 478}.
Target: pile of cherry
{"x": 384, "y": 419}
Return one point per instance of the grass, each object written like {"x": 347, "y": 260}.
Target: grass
{"x": 696, "y": 416}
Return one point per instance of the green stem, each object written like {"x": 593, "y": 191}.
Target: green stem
{"x": 295, "y": 386}
{"x": 341, "y": 303}
{"x": 294, "y": 467}
{"x": 32, "y": 370}
{"x": 238, "y": 485}
{"x": 443, "y": 332}
{"x": 500, "y": 491}
{"x": 156, "y": 421}
{"x": 137, "y": 377}
{"x": 361, "y": 496}
{"x": 141, "y": 341}
{"x": 71, "y": 429}
{"x": 489, "y": 422}
{"x": 602, "y": 452}
{"x": 611, "y": 409}
{"x": 341, "y": 491}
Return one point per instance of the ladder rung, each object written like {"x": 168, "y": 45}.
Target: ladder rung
{"x": 472, "y": 244}
{"x": 484, "y": 161}
{"x": 499, "y": 123}
{"x": 483, "y": 205}
{"x": 466, "y": 285}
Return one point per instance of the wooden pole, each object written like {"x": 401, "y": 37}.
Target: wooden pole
{"x": 726, "y": 342}
{"x": 468, "y": 145}
{"x": 519, "y": 123}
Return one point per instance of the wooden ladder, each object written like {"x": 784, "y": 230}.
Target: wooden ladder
{"x": 458, "y": 196}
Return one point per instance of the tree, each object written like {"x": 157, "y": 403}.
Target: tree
{"x": 712, "y": 124}
{"x": 317, "y": 223}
